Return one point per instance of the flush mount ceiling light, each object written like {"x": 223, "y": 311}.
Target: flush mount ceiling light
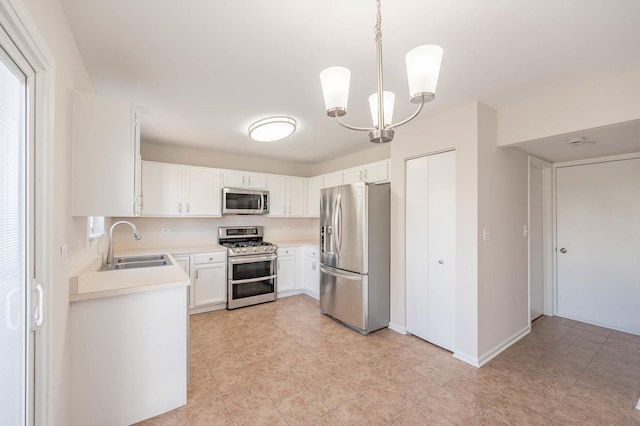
{"x": 423, "y": 69}
{"x": 272, "y": 129}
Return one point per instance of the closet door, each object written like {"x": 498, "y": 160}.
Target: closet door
{"x": 430, "y": 248}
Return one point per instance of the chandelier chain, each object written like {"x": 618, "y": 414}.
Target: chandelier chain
{"x": 378, "y": 27}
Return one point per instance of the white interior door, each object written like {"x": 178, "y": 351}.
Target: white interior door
{"x": 536, "y": 241}
{"x": 430, "y": 248}
{"x": 598, "y": 243}
{"x": 16, "y": 237}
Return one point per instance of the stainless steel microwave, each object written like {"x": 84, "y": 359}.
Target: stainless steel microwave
{"x": 244, "y": 201}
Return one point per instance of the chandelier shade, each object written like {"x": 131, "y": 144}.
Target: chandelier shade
{"x": 335, "y": 88}
{"x": 423, "y": 69}
{"x": 389, "y": 100}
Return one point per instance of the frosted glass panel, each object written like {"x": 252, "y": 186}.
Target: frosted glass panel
{"x": 13, "y": 281}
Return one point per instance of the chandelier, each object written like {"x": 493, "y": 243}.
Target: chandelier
{"x": 423, "y": 68}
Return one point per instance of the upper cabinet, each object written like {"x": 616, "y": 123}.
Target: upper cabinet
{"x": 105, "y": 166}
{"x": 176, "y": 190}
{"x": 372, "y": 172}
{"x": 314, "y": 185}
{"x": 239, "y": 179}
{"x": 286, "y": 196}
{"x": 331, "y": 179}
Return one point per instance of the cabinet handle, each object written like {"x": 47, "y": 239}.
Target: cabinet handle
{"x": 197, "y": 273}
{"x": 289, "y": 209}
{"x": 249, "y": 181}
{"x": 179, "y": 207}
{"x": 188, "y": 207}
{"x": 284, "y": 209}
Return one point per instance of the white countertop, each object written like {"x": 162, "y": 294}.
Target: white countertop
{"x": 95, "y": 284}
{"x": 289, "y": 243}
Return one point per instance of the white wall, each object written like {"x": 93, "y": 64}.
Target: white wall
{"x": 503, "y": 295}
{"x": 207, "y": 158}
{"x": 558, "y": 107}
{"x": 70, "y": 74}
{"x": 455, "y": 129}
{"x": 204, "y": 231}
{"x": 374, "y": 152}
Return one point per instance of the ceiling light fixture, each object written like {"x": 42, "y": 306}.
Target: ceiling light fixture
{"x": 423, "y": 68}
{"x": 272, "y": 129}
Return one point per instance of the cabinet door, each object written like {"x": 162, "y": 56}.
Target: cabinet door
{"x": 210, "y": 284}
{"x": 377, "y": 172}
{"x": 256, "y": 181}
{"x": 314, "y": 185}
{"x": 296, "y": 196}
{"x": 202, "y": 192}
{"x": 183, "y": 262}
{"x": 233, "y": 179}
{"x": 161, "y": 189}
{"x": 352, "y": 175}
{"x": 286, "y": 273}
{"x": 332, "y": 179}
{"x": 104, "y": 162}
{"x": 277, "y": 195}
{"x": 311, "y": 276}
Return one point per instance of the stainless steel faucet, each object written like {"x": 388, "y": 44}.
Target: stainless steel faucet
{"x": 136, "y": 235}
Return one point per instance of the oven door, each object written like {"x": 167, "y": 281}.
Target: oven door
{"x": 252, "y": 279}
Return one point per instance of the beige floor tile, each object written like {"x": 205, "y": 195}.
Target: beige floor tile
{"x": 483, "y": 418}
{"x": 393, "y": 399}
{"x": 363, "y": 378}
{"x": 334, "y": 391}
{"x": 413, "y": 417}
{"x": 447, "y": 404}
{"x": 265, "y": 415}
{"x": 542, "y": 400}
{"x": 229, "y": 380}
{"x": 241, "y": 402}
{"x": 201, "y": 391}
{"x": 166, "y": 419}
{"x": 513, "y": 413}
{"x": 490, "y": 378}
{"x": 209, "y": 413}
{"x": 361, "y": 411}
{"x": 471, "y": 391}
{"x": 634, "y": 417}
{"x": 281, "y": 386}
{"x": 328, "y": 419}
{"x": 578, "y": 411}
{"x": 302, "y": 408}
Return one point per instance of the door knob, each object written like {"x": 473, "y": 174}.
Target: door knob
{"x": 441, "y": 261}
{"x": 563, "y": 250}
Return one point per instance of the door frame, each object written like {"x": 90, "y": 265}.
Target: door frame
{"x": 17, "y": 23}
{"x": 547, "y": 234}
{"x": 556, "y": 166}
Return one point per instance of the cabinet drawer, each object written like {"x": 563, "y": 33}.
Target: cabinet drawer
{"x": 286, "y": 251}
{"x": 210, "y": 257}
{"x": 312, "y": 252}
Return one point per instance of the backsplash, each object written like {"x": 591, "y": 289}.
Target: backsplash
{"x": 171, "y": 232}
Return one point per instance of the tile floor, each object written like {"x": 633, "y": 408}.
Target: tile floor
{"x": 284, "y": 363}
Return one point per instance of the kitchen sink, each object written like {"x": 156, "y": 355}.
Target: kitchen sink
{"x": 133, "y": 262}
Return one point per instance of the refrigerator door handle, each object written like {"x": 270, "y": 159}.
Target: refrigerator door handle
{"x": 338, "y": 274}
{"x": 336, "y": 228}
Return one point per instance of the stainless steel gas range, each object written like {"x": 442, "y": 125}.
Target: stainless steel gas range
{"x": 251, "y": 266}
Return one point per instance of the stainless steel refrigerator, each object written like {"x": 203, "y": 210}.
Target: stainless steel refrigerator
{"x": 354, "y": 254}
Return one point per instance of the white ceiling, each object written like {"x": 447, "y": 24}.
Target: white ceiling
{"x": 206, "y": 69}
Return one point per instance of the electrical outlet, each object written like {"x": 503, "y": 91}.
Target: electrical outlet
{"x": 165, "y": 230}
{"x": 526, "y": 231}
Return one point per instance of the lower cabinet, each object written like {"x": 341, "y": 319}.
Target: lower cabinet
{"x": 286, "y": 270}
{"x": 311, "y": 272}
{"x": 208, "y": 273}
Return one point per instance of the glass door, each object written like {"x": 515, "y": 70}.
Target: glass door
{"x": 16, "y": 234}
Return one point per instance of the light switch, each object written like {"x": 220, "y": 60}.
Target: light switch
{"x": 486, "y": 234}
{"x": 526, "y": 231}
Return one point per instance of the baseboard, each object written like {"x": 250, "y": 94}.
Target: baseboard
{"x": 638, "y": 405}
{"x": 505, "y": 344}
{"x": 288, "y": 293}
{"x": 466, "y": 358}
{"x": 312, "y": 294}
{"x": 203, "y": 309}
{"x": 398, "y": 328}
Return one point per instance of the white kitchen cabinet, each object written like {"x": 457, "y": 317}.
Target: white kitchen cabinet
{"x": 286, "y": 270}
{"x": 286, "y": 196}
{"x": 372, "y": 172}
{"x": 105, "y": 165}
{"x": 248, "y": 180}
{"x": 202, "y": 191}
{"x": 331, "y": 179}
{"x": 161, "y": 189}
{"x": 311, "y": 272}
{"x": 185, "y": 263}
{"x": 210, "y": 280}
{"x": 314, "y": 185}
{"x": 177, "y": 190}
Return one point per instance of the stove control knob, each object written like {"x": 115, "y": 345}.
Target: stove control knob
{"x": 254, "y": 249}
{"x": 237, "y": 250}
{"x": 264, "y": 249}
{"x": 244, "y": 249}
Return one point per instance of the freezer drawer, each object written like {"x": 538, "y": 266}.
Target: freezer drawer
{"x": 343, "y": 295}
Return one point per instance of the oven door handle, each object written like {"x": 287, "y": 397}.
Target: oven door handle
{"x": 252, "y": 259}
{"x": 251, "y": 280}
